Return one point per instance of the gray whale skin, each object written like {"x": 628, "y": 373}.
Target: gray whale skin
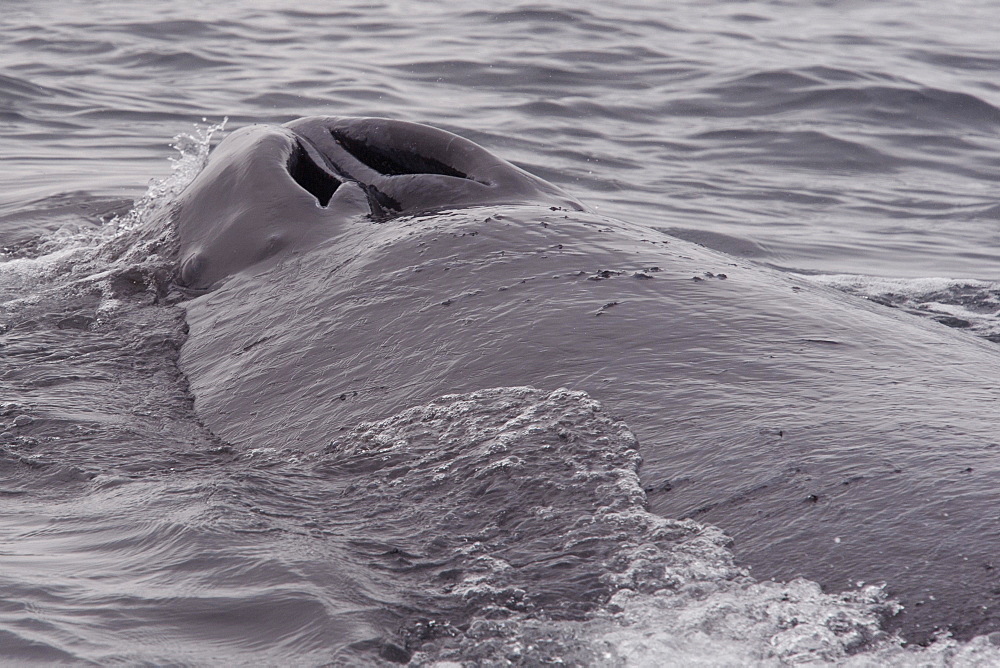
{"x": 352, "y": 268}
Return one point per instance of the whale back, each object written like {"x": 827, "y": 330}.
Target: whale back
{"x": 833, "y": 438}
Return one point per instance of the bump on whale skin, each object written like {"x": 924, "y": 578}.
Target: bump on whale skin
{"x": 832, "y": 438}
{"x": 268, "y": 188}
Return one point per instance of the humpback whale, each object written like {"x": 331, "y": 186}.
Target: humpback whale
{"x": 345, "y": 269}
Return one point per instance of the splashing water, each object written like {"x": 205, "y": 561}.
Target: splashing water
{"x": 967, "y": 304}
{"x": 139, "y": 244}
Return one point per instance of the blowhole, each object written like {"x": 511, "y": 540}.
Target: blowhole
{"x": 395, "y": 163}
{"x": 311, "y": 177}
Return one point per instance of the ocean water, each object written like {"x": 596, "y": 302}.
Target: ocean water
{"x": 851, "y": 146}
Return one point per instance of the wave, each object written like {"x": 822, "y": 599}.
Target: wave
{"x": 966, "y": 304}
{"x": 523, "y": 509}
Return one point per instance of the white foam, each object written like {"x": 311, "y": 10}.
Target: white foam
{"x": 679, "y": 598}
{"x": 712, "y": 623}
{"x": 968, "y": 304}
{"x": 879, "y": 285}
{"x": 73, "y": 258}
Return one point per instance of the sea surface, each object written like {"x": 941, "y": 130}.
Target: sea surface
{"x": 847, "y": 144}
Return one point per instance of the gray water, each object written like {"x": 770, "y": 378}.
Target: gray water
{"x": 828, "y": 138}
{"x": 853, "y": 144}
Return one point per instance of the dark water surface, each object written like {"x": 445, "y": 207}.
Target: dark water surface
{"x": 850, "y": 144}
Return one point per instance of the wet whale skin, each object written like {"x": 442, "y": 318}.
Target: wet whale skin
{"x": 833, "y": 438}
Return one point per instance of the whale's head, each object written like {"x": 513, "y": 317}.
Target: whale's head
{"x": 269, "y": 188}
